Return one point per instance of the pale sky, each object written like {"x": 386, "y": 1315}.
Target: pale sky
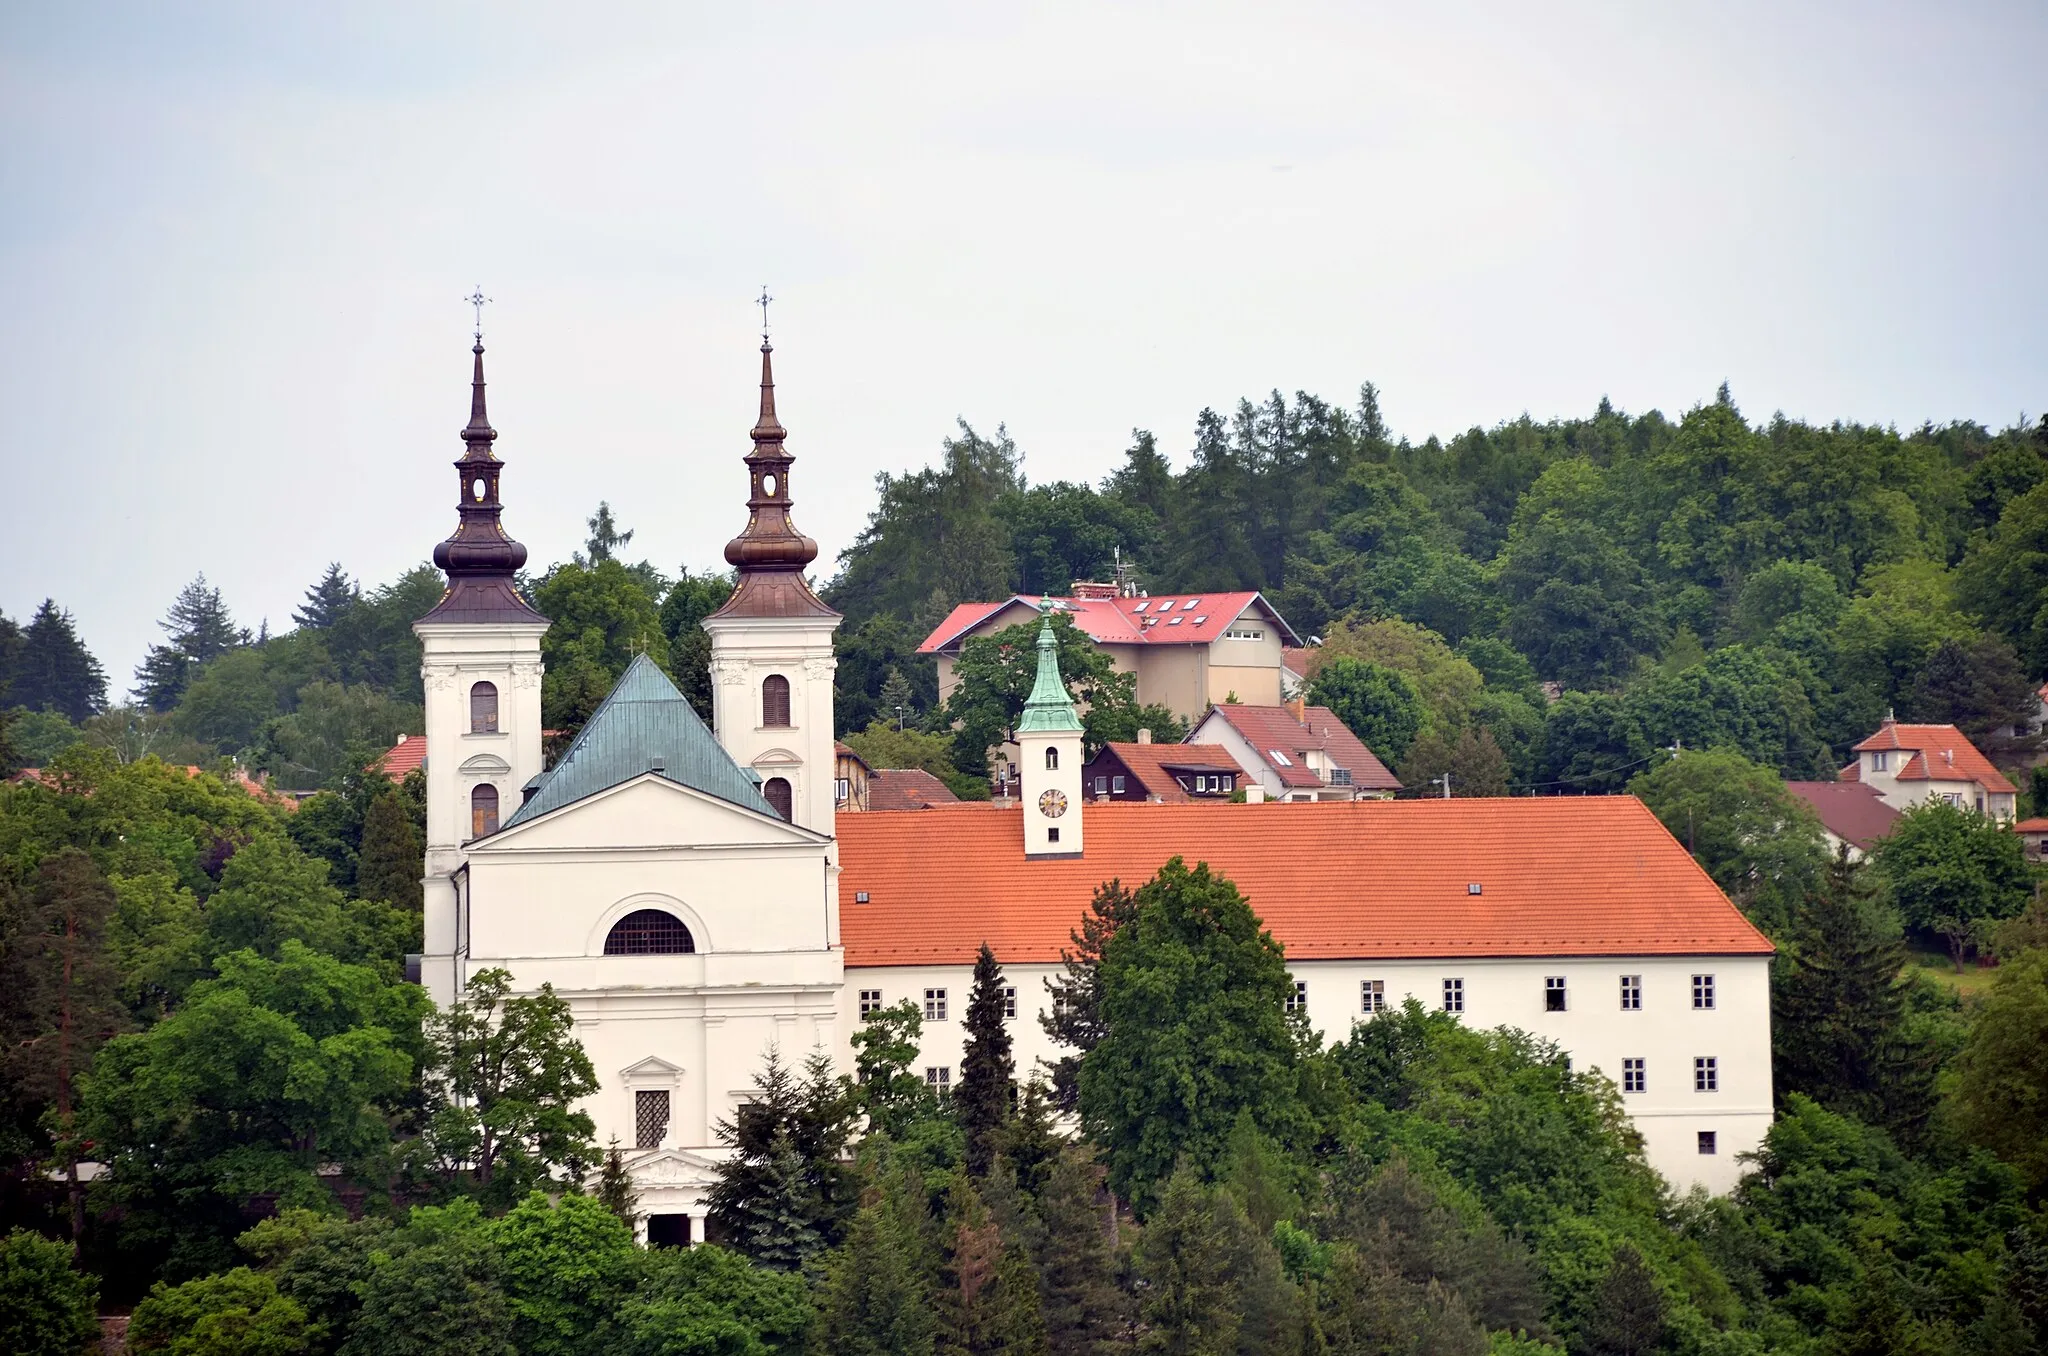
{"x": 235, "y": 239}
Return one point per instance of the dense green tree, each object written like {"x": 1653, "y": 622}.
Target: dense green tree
{"x": 892, "y": 1095}
{"x": 988, "y": 1291}
{"x": 237, "y": 1311}
{"x": 1954, "y": 872}
{"x": 712, "y": 1300}
{"x": 1472, "y": 759}
{"x": 59, "y": 997}
{"x": 1193, "y": 1031}
{"x": 230, "y": 701}
{"x": 328, "y": 599}
{"x": 1074, "y": 1018}
{"x": 615, "y": 1186}
{"x": 1736, "y": 699}
{"x": 53, "y": 671}
{"x": 601, "y": 616}
{"x": 1782, "y": 591}
{"x": 333, "y": 732}
{"x": 435, "y": 1293}
{"x": 988, "y": 1071}
{"x": 1591, "y": 744}
{"x": 1447, "y": 684}
{"x": 873, "y": 1300}
{"x": 1839, "y": 1008}
{"x": 372, "y": 644}
{"x": 1084, "y": 1308}
{"x": 1375, "y": 703}
{"x": 1976, "y": 686}
{"x": 784, "y": 1194}
{"x": 390, "y": 862}
{"x": 868, "y": 656}
{"x": 1061, "y": 532}
{"x": 198, "y": 630}
{"x": 1190, "y": 1305}
{"x": 2001, "y": 1087}
{"x": 47, "y": 1308}
{"x": 994, "y": 675}
{"x": 1578, "y": 605}
{"x": 1760, "y": 843}
{"x": 1627, "y": 1314}
{"x": 2004, "y": 578}
{"x": 564, "y": 1267}
{"x": 505, "y": 1074}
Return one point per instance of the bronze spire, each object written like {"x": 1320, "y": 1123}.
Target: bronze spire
{"x": 770, "y": 553}
{"x": 479, "y": 558}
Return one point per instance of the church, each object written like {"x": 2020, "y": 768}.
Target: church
{"x": 693, "y": 895}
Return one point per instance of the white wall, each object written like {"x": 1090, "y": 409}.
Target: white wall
{"x": 1594, "y": 1030}
{"x": 744, "y": 652}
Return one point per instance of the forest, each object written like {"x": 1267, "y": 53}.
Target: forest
{"x": 200, "y": 986}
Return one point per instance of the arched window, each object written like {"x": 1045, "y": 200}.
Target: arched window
{"x": 775, "y": 701}
{"x": 483, "y": 810}
{"x": 649, "y": 932}
{"x": 1052, "y": 759}
{"x": 776, "y": 792}
{"x": 483, "y": 708}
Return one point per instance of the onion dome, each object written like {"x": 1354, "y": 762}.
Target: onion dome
{"x": 770, "y": 554}
{"x": 480, "y": 560}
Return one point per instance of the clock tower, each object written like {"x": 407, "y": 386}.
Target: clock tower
{"x": 1049, "y": 750}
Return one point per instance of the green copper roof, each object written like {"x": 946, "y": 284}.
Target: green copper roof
{"x": 1048, "y": 707}
{"x": 645, "y": 725}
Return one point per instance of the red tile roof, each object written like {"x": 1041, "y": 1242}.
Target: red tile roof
{"x": 1560, "y": 876}
{"x": 1851, "y": 811}
{"x": 402, "y": 757}
{"x": 1171, "y": 619}
{"x": 1151, "y": 764}
{"x": 1943, "y": 754}
{"x": 1271, "y": 728}
{"x": 907, "y": 789}
{"x": 2036, "y": 825}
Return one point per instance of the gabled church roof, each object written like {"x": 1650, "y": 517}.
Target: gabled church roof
{"x": 645, "y": 725}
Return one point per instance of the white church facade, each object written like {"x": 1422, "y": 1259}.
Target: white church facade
{"x": 687, "y": 890}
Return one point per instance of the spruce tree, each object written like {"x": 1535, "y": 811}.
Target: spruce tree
{"x": 327, "y": 600}
{"x": 988, "y": 1070}
{"x": 198, "y": 623}
{"x": 1190, "y": 1304}
{"x": 615, "y": 1186}
{"x": 897, "y": 701}
{"x": 53, "y": 671}
{"x": 161, "y": 678}
{"x": 784, "y": 1195}
{"x": 873, "y": 1301}
{"x": 1627, "y": 1316}
{"x": 1084, "y": 1308}
{"x": 989, "y": 1302}
{"x": 1840, "y": 1010}
{"x": 390, "y": 863}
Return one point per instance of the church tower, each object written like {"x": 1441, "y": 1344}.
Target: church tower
{"x": 1049, "y": 755}
{"x": 481, "y": 666}
{"x": 771, "y": 644}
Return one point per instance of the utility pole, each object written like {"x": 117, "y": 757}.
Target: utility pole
{"x": 1443, "y": 781}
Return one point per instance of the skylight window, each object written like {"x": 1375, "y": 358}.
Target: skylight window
{"x": 1191, "y": 604}
{"x": 1282, "y": 759}
{"x": 1139, "y": 608}
{"x": 1165, "y": 605}
{"x": 1200, "y": 620}
{"x": 1174, "y": 621}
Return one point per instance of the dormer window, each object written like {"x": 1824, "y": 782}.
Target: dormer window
{"x": 1878, "y": 761}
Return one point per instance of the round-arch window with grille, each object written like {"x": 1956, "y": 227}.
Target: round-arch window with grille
{"x": 649, "y": 932}
{"x": 776, "y": 792}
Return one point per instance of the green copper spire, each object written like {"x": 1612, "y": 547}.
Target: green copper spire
{"x": 1048, "y": 707}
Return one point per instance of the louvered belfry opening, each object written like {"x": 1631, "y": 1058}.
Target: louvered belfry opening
{"x": 775, "y": 702}
{"x": 483, "y": 810}
{"x": 649, "y": 932}
{"x": 483, "y": 708}
{"x": 776, "y": 792}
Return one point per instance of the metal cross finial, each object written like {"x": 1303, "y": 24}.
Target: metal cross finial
{"x": 763, "y": 304}
{"x": 478, "y": 300}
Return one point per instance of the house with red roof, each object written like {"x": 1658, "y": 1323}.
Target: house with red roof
{"x": 1908, "y": 764}
{"x": 907, "y": 788}
{"x": 1853, "y": 815}
{"x": 2034, "y": 835}
{"x": 1296, "y": 752}
{"x": 1188, "y": 650}
{"x": 1167, "y": 774}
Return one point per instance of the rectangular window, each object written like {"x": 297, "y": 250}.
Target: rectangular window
{"x": 935, "y": 1005}
{"x": 1052, "y": 835}
{"x": 842, "y": 789}
{"x": 870, "y": 1001}
{"x": 1706, "y": 1074}
{"x": 1631, "y": 993}
{"x": 1102, "y": 786}
{"x": 1454, "y": 995}
{"x": 1553, "y": 993}
{"x": 1703, "y": 991}
{"x": 1372, "y": 996}
{"x": 939, "y": 1077}
{"x": 1116, "y": 785}
{"x": 1877, "y": 761}
{"x": 1633, "y": 1077}
{"x": 650, "y": 1119}
{"x": 1298, "y": 1000}
{"x": 1707, "y": 1145}
{"x": 1010, "y": 1001}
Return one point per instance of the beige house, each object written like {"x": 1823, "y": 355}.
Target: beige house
{"x": 1908, "y": 764}
{"x": 1190, "y": 651}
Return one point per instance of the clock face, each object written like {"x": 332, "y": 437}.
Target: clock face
{"x": 1053, "y": 804}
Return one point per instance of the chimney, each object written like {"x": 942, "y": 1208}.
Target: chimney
{"x": 1093, "y": 590}
{"x": 1254, "y": 794}
{"x": 1298, "y": 708}
{"x": 1144, "y": 736}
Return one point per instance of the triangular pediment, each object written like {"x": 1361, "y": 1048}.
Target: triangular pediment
{"x": 650, "y": 811}
{"x": 671, "y": 1167}
{"x": 654, "y": 1066}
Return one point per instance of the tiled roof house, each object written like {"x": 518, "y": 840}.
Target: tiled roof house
{"x": 1297, "y": 752}
{"x": 1908, "y": 764}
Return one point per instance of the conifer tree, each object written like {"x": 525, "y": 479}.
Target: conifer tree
{"x": 897, "y": 701}
{"x": 873, "y": 1301}
{"x": 1627, "y": 1317}
{"x": 1190, "y": 1304}
{"x": 198, "y": 623}
{"x": 615, "y": 1186}
{"x": 784, "y": 1195}
{"x": 1839, "y": 1010}
{"x": 53, "y": 671}
{"x": 1074, "y": 1018}
{"x": 390, "y": 863}
{"x": 59, "y": 995}
{"x": 1084, "y": 1308}
{"x": 988, "y": 1070}
{"x": 989, "y": 1292}
{"x": 327, "y": 600}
